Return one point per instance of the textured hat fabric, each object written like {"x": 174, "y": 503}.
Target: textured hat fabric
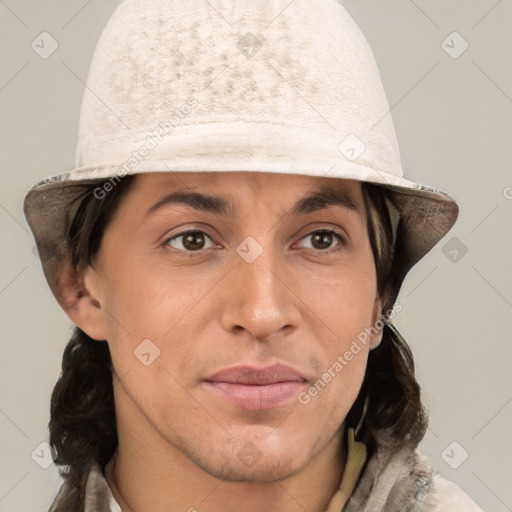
{"x": 236, "y": 85}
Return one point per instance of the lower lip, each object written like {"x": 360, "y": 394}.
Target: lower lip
{"x": 257, "y": 398}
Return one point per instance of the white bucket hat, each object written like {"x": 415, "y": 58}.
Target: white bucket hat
{"x": 235, "y": 85}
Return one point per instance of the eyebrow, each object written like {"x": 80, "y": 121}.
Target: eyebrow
{"x": 316, "y": 200}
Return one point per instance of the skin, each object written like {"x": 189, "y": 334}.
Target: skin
{"x": 180, "y": 444}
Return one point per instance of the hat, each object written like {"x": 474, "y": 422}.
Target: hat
{"x": 235, "y": 85}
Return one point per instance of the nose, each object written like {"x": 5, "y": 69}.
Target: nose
{"x": 258, "y": 297}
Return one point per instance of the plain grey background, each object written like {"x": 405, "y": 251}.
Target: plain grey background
{"x": 453, "y": 120}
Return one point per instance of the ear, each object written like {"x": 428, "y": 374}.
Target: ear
{"x": 80, "y": 304}
{"x": 376, "y": 313}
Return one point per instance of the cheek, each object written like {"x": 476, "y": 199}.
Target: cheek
{"x": 342, "y": 313}
{"x": 148, "y": 301}
{"x": 143, "y": 312}
{"x": 343, "y": 298}
{"x": 345, "y": 302}
{"x": 151, "y": 317}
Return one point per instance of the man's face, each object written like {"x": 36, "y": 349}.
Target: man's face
{"x": 218, "y": 337}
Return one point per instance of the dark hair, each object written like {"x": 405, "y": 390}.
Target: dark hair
{"x": 82, "y": 423}
{"x": 394, "y": 411}
{"x": 83, "y": 427}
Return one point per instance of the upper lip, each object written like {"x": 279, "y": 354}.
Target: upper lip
{"x": 252, "y": 375}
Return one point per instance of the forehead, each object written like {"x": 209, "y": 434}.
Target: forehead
{"x": 227, "y": 193}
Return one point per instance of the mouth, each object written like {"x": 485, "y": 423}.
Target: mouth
{"x": 257, "y": 388}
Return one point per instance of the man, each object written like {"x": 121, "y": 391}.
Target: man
{"x": 230, "y": 249}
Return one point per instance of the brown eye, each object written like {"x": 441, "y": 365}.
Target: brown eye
{"x": 323, "y": 239}
{"x": 189, "y": 241}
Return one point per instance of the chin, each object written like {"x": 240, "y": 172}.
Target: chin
{"x": 265, "y": 469}
{"x": 238, "y": 459}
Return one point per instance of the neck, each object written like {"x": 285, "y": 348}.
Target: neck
{"x": 153, "y": 472}
{"x": 134, "y": 488}
{"x": 290, "y": 495}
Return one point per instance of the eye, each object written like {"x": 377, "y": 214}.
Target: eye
{"x": 189, "y": 241}
{"x": 196, "y": 240}
{"x": 322, "y": 239}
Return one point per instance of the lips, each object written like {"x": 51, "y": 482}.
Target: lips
{"x": 254, "y": 376}
{"x": 257, "y": 388}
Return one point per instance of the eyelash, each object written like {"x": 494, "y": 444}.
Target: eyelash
{"x": 337, "y": 234}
